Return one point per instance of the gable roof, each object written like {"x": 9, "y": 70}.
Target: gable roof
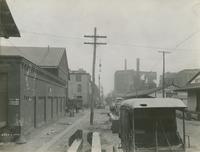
{"x": 8, "y": 27}
{"x": 189, "y": 85}
{"x": 41, "y": 56}
{"x": 196, "y": 75}
{"x": 184, "y": 76}
{"x": 181, "y": 78}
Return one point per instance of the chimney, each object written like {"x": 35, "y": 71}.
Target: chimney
{"x": 138, "y": 64}
{"x": 125, "y": 64}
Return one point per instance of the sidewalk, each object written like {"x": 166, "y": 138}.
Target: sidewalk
{"x": 192, "y": 129}
{"x": 42, "y": 138}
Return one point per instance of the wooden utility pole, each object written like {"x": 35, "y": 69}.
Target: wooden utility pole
{"x": 0, "y": 21}
{"x": 100, "y": 81}
{"x": 163, "y": 77}
{"x": 0, "y": 44}
{"x": 99, "y": 88}
{"x": 94, "y": 43}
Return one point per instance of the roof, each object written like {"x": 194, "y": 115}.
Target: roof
{"x": 190, "y": 85}
{"x": 138, "y": 103}
{"x": 8, "y": 27}
{"x": 193, "y": 77}
{"x": 181, "y": 78}
{"x": 8, "y": 59}
{"x": 192, "y": 71}
{"x": 140, "y": 93}
{"x": 188, "y": 74}
{"x": 41, "y": 56}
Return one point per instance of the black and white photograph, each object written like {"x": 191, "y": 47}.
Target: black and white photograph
{"x": 99, "y": 75}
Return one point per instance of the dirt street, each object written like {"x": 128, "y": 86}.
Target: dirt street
{"x": 45, "y": 138}
{"x": 54, "y": 138}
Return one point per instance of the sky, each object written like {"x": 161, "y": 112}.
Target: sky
{"x": 134, "y": 29}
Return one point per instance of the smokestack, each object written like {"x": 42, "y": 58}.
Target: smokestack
{"x": 138, "y": 64}
{"x": 125, "y": 64}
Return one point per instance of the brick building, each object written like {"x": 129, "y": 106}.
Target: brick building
{"x": 33, "y": 87}
{"x": 131, "y": 81}
{"x": 127, "y": 81}
{"x": 80, "y": 86}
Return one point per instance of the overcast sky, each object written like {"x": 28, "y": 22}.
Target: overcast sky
{"x": 135, "y": 29}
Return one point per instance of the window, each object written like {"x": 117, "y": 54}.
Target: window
{"x": 79, "y": 97}
{"x": 78, "y": 77}
{"x": 61, "y": 104}
{"x": 79, "y": 88}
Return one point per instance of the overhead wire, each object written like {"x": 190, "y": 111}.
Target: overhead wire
{"x": 113, "y": 43}
{"x": 17, "y": 48}
{"x": 118, "y": 44}
{"x": 187, "y": 38}
{"x": 121, "y": 44}
{"x": 182, "y": 42}
{"x": 51, "y": 35}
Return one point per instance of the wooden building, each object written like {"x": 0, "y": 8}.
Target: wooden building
{"x": 193, "y": 90}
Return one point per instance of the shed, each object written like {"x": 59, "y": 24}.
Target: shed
{"x": 193, "y": 90}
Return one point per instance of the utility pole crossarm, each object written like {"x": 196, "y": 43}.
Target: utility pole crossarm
{"x": 92, "y": 36}
{"x": 164, "y": 52}
{"x": 97, "y": 43}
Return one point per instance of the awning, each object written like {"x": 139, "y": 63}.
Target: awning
{"x": 8, "y": 27}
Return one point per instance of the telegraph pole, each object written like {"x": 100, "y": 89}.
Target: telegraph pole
{"x": 163, "y": 77}
{"x": 0, "y": 22}
{"x": 0, "y": 44}
{"x": 94, "y": 43}
{"x": 100, "y": 80}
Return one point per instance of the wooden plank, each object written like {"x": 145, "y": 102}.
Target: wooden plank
{"x": 96, "y": 143}
{"x": 75, "y": 141}
{"x": 75, "y": 146}
{"x": 77, "y": 135}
